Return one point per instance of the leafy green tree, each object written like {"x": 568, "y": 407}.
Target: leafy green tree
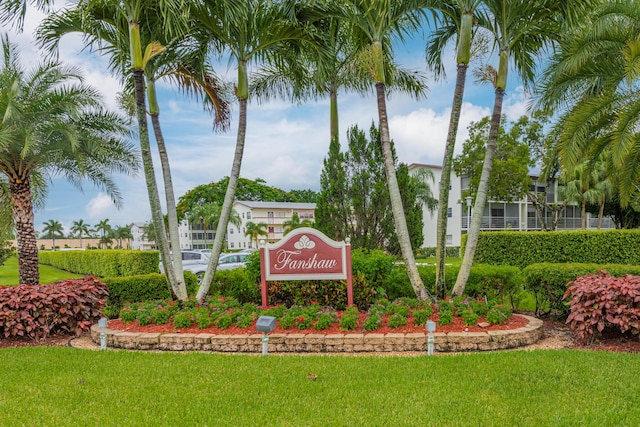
{"x": 510, "y": 178}
{"x": 368, "y": 221}
{"x": 254, "y": 231}
{"x": 333, "y": 208}
{"x": 80, "y": 228}
{"x": 304, "y": 196}
{"x": 248, "y": 190}
{"x": 51, "y": 230}
{"x": 53, "y": 124}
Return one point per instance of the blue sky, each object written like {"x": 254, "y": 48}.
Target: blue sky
{"x": 285, "y": 143}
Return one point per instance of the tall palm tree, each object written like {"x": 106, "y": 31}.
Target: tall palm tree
{"x": 375, "y": 22}
{"x": 105, "y": 230}
{"x": 53, "y": 124}
{"x": 593, "y": 81}
{"x": 52, "y": 229}
{"x": 80, "y": 228}
{"x": 122, "y": 232}
{"x": 457, "y": 21}
{"x": 254, "y": 231}
{"x": 248, "y": 31}
{"x": 127, "y": 31}
{"x": 521, "y": 30}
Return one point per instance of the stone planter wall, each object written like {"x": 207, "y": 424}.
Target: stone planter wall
{"x": 318, "y": 343}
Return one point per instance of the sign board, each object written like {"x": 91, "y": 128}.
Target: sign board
{"x": 306, "y": 254}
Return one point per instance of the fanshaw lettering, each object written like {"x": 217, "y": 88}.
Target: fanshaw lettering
{"x": 286, "y": 260}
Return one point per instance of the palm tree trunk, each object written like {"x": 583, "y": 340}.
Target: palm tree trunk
{"x": 396, "y": 200}
{"x": 583, "y": 212}
{"x": 22, "y": 206}
{"x": 445, "y": 180}
{"x": 601, "y": 212}
{"x": 227, "y": 205}
{"x": 152, "y": 188}
{"x": 172, "y": 213}
{"x": 481, "y": 196}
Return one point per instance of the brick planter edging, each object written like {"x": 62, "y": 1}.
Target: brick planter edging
{"x": 332, "y": 343}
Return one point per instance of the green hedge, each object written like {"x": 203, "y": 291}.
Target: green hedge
{"x": 521, "y": 249}
{"x": 548, "y": 281}
{"x": 103, "y": 263}
{"x": 493, "y": 281}
{"x": 450, "y": 252}
{"x": 138, "y": 288}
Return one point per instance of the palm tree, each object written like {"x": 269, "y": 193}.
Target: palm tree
{"x": 122, "y": 232}
{"x": 593, "y": 80}
{"x": 295, "y": 222}
{"x": 520, "y": 30}
{"x": 254, "y": 231}
{"x": 53, "y": 124}
{"x": 105, "y": 230}
{"x": 80, "y": 228}
{"x": 11, "y": 10}
{"x": 375, "y": 22}
{"x": 457, "y": 18}
{"x": 118, "y": 24}
{"x": 248, "y": 31}
{"x": 51, "y": 230}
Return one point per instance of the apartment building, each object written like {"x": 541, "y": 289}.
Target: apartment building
{"x": 498, "y": 215}
{"x": 272, "y": 214}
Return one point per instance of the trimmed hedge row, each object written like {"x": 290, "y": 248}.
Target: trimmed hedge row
{"x": 103, "y": 263}
{"x": 450, "y": 252}
{"x": 521, "y": 249}
{"x": 548, "y": 281}
{"x": 139, "y": 288}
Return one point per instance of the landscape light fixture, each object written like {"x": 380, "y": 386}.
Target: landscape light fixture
{"x": 265, "y": 324}
{"x": 431, "y": 327}
{"x": 102, "y": 324}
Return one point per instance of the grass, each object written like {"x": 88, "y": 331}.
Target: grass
{"x": 48, "y": 274}
{"x": 65, "y": 386}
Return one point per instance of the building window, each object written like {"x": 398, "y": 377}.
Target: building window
{"x": 230, "y": 230}
{"x": 248, "y": 215}
{"x": 242, "y": 214}
{"x": 449, "y": 239}
{"x": 449, "y": 212}
{"x": 231, "y": 245}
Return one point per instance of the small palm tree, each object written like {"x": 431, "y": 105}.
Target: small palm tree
{"x": 295, "y": 222}
{"x": 51, "y": 230}
{"x": 53, "y": 124}
{"x": 122, "y": 232}
{"x": 80, "y": 228}
{"x": 254, "y": 231}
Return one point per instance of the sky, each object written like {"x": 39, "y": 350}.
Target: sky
{"x": 285, "y": 144}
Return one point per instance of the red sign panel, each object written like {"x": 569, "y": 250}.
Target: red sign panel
{"x": 306, "y": 254}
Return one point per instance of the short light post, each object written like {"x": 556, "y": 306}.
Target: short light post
{"x": 431, "y": 327}
{"x": 102, "y": 324}
{"x": 468, "y": 200}
{"x": 265, "y": 324}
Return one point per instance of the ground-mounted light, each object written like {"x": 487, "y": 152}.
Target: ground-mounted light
{"x": 265, "y": 324}
{"x": 102, "y": 324}
{"x": 431, "y": 327}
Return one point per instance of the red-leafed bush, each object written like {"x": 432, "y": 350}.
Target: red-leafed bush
{"x": 600, "y": 301}
{"x": 42, "y": 310}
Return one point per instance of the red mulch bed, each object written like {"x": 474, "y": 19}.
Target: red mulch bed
{"x": 457, "y": 326}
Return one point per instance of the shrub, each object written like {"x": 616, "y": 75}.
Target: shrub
{"x": 349, "y": 319}
{"x": 396, "y": 320}
{"x": 548, "y": 282}
{"x": 469, "y": 318}
{"x": 497, "y": 316}
{"x": 147, "y": 287}
{"x": 103, "y": 263}
{"x": 599, "y": 301}
{"x": 183, "y": 319}
{"x": 236, "y": 283}
{"x": 41, "y": 310}
{"x": 581, "y": 246}
{"x": 421, "y": 315}
{"x": 373, "y": 320}
{"x": 445, "y": 317}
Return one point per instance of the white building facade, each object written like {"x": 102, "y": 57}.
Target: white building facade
{"x": 519, "y": 215}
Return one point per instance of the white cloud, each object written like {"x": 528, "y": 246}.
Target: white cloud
{"x": 100, "y": 207}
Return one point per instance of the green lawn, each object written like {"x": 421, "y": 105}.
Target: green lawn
{"x": 66, "y": 386}
{"x": 9, "y": 273}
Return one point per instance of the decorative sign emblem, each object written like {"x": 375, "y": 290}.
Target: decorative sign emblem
{"x": 305, "y": 254}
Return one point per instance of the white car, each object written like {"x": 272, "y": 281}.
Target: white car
{"x": 231, "y": 261}
{"x": 193, "y": 261}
